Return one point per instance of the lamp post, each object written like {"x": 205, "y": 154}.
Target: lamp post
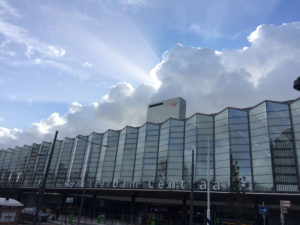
{"x": 192, "y": 191}
{"x": 208, "y": 185}
{"x": 42, "y": 187}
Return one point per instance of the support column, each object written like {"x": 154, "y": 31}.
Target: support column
{"x": 132, "y": 209}
{"x": 94, "y": 205}
{"x": 62, "y": 203}
{"x": 19, "y": 194}
{"x": 256, "y": 207}
{"x": 184, "y": 211}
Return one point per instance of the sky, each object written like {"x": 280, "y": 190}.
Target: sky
{"x": 90, "y": 65}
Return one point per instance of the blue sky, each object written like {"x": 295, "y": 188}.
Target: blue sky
{"x": 56, "y": 53}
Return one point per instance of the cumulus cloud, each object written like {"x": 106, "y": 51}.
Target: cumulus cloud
{"x": 121, "y": 106}
{"x": 270, "y": 46}
{"x": 209, "y": 80}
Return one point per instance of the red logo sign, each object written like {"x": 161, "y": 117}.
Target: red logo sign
{"x": 174, "y": 103}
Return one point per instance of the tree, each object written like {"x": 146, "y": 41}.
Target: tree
{"x": 238, "y": 185}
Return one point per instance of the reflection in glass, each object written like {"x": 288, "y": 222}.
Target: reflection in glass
{"x": 64, "y": 161}
{"x": 198, "y": 132}
{"x": 282, "y": 148}
{"x": 146, "y": 155}
{"x": 28, "y": 178}
{"x": 170, "y": 156}
{"x": 43, "y": 157}
{"x": 126, "y": 155}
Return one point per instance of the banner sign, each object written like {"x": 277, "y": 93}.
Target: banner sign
{"x": 69, "y": 200}
{"x": 8, "y": 217}
{"x": 263, "y": 210}
{"x": 285, "y": 203}
{"x": 151, "y": 184}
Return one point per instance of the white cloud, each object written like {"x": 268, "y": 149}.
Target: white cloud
{"x": 20, "y": 35}
{"x": 16, "y": 34}
{"x": 87, "y": 64}
{"x": 270, "y": 46}
{"x": 6, "y": 9}
{"x": 122, "y": 103}
{"x": 208, "y": 80}
{"x": 57, "y": 52}
{"x": 206, "y": 32}
{"x": 8, "y": 135}
{"x": 133, "y": 2}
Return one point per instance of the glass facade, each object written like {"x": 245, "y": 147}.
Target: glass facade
{"x": 52, "y": 174}
{"x": 261, "y": 153}
{"x": 282, "y": 147}
{"x": 146, "y": 155}
{"x": 295, "y": 118}
{"x": 11, "y": 174}
{"x": 222, "y": 150}
{"x": 21, "y": 166}
{"x": 262, "y": 141}
{"x": 92, "y": 158}
{"x": 239, "y": 142}
{"x": 170, "y": 153}
{"x": 64, "y": 160}
{"x": 198, "y": 136}
{"x": 42, "y": 158}
{"x": 108, "y": 155}
{"x": 77, "y": 158}
{"x": 126, "y": 156}
{"x": 31, "y": 165}
{"x": 5, "y": 165}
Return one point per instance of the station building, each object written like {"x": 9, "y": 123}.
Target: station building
{"x": 144, "y": 173}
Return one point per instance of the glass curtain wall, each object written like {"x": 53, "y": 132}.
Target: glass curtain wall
{"x": 108, "y": 156}
{"x": 2, "y": 156}
{"x": 53, "y": 165}
{"x": 198, "y": 135}
{"x": 263, "y": 141}
{"x": 29, "y": 173}
{"x": 222, "y": 150}
{"x": 64, "y": 161}
{"x": 91, "y": 161}
{"x": 42, "y": 159}
{"x": 126, "y": 156}
{"x": 170, "y": 156}
{"x": 282, "y": 148}
{"x": 295, "y": 112}
{"x": 5, "y": 166}
{"x": 12, "y": 175}
{"x": 146, "y": 155}
{"x": 240, "y": 144}
{"x": 77, "y": 158}
{"x": 2, "y": 153}
{"x": 260, "y": 145}
{"x": 22, "y": 165}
